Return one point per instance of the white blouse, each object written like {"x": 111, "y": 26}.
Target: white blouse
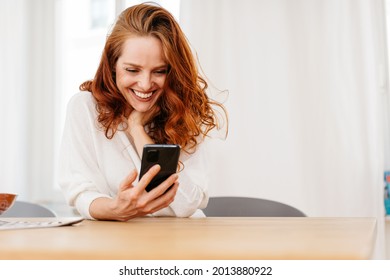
{"x": 92, "y": 166}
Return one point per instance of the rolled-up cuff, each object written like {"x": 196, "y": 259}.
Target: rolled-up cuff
{"x": 83, "y": 203}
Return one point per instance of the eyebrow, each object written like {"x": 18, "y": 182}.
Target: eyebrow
{"x": 139, "y": 66}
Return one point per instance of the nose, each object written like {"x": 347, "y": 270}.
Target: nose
{"x": 145, "y": 82}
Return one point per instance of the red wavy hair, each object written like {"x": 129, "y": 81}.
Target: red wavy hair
{"x": 184, "y": 111}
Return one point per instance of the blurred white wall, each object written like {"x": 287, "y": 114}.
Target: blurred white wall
{"x": 27, "y": 96}
{"x": 307, "y": 80}
{"x": 13, "y": 83}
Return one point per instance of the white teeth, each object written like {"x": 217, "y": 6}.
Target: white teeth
{"x": 143, "y": 95}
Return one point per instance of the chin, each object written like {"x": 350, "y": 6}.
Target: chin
{"x": 142, "y": 109}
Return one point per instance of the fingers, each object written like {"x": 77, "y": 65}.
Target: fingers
{"x": 138, "y": 190}
{"x": 148, "y": 176}
{"x": 158, "y": 198}
{"x": 159, "y": 202}
{"x": 164, "y": 186}
{"x": 164, "y": 200}
{"x": 128, "y": 181}
{"x": 133, "y": 201}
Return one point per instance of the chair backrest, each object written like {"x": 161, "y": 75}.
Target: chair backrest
{"x": 28, "y": 209}
{"x": 224, "y": 206}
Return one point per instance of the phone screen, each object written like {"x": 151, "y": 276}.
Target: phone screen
{"x": 166, "y": 155}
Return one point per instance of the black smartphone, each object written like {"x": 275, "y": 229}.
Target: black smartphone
{"x": 166, "y": 155}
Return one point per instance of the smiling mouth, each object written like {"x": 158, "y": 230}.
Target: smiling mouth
{"x": 143, "y": 95}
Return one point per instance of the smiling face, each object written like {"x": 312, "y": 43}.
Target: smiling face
{"x": 141, "y": 72}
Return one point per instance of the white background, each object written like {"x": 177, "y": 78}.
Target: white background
{"x": 308, "y": 99}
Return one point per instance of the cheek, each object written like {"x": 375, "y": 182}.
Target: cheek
{"x": 118, "y": 78}
{"x": 123, "y": 80}
{"x": 161, "y": 82}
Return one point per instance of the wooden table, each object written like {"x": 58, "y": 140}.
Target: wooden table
{"x": 197, "y": 239}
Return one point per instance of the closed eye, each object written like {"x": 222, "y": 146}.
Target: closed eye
{"x": 161, "y": 71}
{"x": 131, "y": 70}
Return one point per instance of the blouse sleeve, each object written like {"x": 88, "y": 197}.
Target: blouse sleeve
{"x": 79, "y": 175}
{"x": 192, "y": 193}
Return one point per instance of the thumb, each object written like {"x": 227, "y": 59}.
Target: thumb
{"x": 127, "y": 183}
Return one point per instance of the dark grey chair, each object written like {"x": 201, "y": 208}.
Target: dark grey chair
{"x": 27, "y": 209}
{"x": 225, "y": 206}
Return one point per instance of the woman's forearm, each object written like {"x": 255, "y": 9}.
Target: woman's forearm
{"x": 101, "y": 209}
{"x": 140, "y": 138}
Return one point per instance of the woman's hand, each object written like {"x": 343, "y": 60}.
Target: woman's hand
{"x": 134, "y": 201}
{"x": 137, "y": 120}
{"x": 136, "y": 123}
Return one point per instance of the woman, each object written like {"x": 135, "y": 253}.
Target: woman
{"x": 146, "y": 90}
